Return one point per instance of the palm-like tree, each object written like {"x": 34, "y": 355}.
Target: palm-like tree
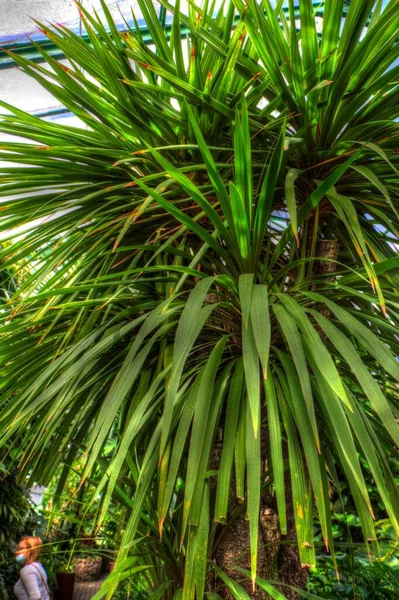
{"x": 213, "y": 273}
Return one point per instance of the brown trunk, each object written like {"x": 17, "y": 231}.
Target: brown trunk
{"x": 290, "y": 570}
{"x": 234, "y": 550}
{"x": 275, "y": 561}
{"x": 327, "y": 249}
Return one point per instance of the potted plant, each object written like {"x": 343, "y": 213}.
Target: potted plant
{"x": 111, "y": 565}
{"x": 111, "y": 560}
{"x": 65, "y": 582}
{"x": 57, "y": 560}
{"x": 87, "y": 567}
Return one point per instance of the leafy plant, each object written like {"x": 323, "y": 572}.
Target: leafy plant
{"x": 14, "y": 511}
{"x": 358, "y": 580}
{"x": 131, "y": 590}
{"x": 214, "y": 252}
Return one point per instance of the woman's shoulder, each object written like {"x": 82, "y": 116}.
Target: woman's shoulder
{"x": 26, "y": 569}
{"x": 32, "y": 567}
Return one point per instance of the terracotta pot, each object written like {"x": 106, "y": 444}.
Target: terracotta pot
{"x": 65, "y": 586}
{"x": 111, "y": 566}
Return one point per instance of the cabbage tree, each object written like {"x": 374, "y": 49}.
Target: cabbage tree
{"x": 210, "y": 274}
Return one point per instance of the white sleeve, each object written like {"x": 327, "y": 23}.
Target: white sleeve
{"x": 30, "y": 579}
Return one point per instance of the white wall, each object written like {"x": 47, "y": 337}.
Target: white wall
{"x": 15, "y": 14}
{"x": 16, "y": 87}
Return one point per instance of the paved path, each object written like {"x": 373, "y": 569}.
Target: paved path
{"x": 84, "y": 590}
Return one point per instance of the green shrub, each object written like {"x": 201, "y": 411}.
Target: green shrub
{"x": 358, "y": 580}
{"x": 132, "y": 590}
{"x": 14, "y": 511}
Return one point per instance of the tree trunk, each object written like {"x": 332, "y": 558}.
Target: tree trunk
{"x": 326, "y": 249}
{"x": 234, "y": 551}
{"x": 275, "y": 561}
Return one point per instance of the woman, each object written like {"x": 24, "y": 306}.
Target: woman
{"x": 32, "y": 583}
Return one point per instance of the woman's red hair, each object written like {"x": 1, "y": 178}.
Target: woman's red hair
{"x": 34, "y": 547}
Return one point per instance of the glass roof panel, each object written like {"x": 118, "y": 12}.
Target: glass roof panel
{"x": 16, "y": 21}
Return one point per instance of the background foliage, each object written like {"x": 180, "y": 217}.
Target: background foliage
{"x": 15, "y": 511}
